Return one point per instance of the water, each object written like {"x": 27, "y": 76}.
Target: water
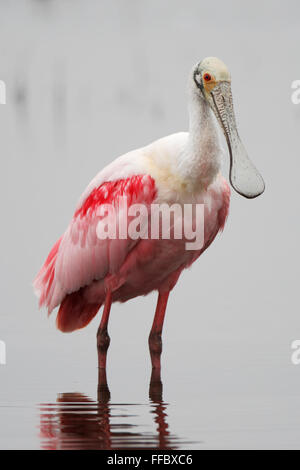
{"x": 85, "y": 84}
{"x": 207, "y": 404}
{"x": 76, "y": 421}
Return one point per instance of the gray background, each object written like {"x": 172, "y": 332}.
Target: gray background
{"x": 88, "y": 81}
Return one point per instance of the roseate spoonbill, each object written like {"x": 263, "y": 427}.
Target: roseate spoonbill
{"x": 83, "y": 272}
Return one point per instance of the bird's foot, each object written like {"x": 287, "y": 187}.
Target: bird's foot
{"x": 155, "y": 347}
{"x": 155, "y": 387}
{"x": 103, "y": 341}
{"x": 103, "y": 389}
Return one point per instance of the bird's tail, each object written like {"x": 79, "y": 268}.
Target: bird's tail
{"x": 75, "y": 312}
{"x": 43, "y": 284}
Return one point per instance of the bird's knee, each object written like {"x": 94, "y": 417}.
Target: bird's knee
{"x": 155, "y": 343}
{"x": 103, "y": 340}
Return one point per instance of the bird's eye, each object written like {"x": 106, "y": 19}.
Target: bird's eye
{"x": 207, "y": 77}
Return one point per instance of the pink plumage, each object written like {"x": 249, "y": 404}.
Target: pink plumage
{"x": 80, "y": 267}
{"x": 79, "y": 258}
{"x": 84, "y": 271}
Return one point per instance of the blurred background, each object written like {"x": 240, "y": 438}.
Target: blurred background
{"x": 85, "y": 82}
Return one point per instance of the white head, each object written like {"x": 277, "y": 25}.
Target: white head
{"x": 212, "y": 83}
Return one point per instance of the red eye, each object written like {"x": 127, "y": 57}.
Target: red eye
{"x": 207, "y": 77}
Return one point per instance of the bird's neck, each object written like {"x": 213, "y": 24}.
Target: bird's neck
{"x": 200, "y": 159}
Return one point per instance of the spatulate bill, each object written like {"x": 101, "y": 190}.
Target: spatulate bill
{"x": 244, "y": 177}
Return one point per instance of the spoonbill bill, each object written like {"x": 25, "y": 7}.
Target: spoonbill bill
{"x": 83, "y": 272}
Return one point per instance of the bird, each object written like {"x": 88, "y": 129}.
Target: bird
{"x": 84, "y": 272}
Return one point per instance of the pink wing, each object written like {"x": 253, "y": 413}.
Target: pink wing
{"x": 80, "y": 257}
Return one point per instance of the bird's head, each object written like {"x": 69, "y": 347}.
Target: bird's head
{"x": 212, "y": 82}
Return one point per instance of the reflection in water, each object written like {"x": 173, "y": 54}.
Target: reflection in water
{"x": 77, "y": 422}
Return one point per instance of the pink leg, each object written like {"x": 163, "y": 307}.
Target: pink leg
{"x": 103, "y": 338}
{"x": 155, "y": 342}
{"x": 103, "y": 392}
